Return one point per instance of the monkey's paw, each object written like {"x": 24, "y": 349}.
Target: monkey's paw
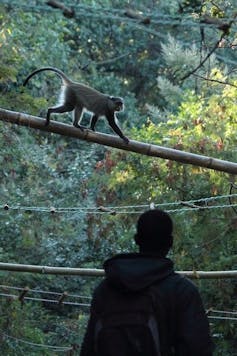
{"x": 79, "y": 127}
{"x": 125, "y": 139}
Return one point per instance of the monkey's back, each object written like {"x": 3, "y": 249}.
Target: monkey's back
{"x": 88, "y": 98}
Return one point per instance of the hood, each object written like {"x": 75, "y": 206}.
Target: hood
{"x": 135, "y": 271}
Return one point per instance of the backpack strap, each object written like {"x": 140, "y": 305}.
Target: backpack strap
{"x": 98, "y": 327}
{"x": 153, "y": 321}
{"x": 155, "y": 333}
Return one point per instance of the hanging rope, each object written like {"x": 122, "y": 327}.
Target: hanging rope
{"x": 33, "y": 344}
{"x": 198, "y": 204}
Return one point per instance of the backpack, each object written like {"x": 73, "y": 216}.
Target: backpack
{"x": 128, "y": 325}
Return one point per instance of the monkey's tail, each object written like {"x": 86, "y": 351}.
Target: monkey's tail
{"x": 52, "y": 69}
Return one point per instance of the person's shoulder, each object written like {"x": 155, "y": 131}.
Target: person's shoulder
{"x": 184, "y": 281}
{"x": 186, "y": 288}
{"x": 101, "y": 287}
{"x": 100, "y": 294}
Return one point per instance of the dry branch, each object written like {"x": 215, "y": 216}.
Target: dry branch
{"x": 93, "y": 272}
{"x": 137, "y": 15}
{"x": 219, "y": 23}
{"x": 205, "y": 58}
{"x": 112, "y": 141}
{"x": 67, "y": 12}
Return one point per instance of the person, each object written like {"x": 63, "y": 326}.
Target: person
{"x": 182, "y": 321}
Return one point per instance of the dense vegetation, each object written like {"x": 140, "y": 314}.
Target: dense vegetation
{"x": 175, "y": 64}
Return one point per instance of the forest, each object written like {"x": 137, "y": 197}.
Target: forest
{"x": 67, "y": 202}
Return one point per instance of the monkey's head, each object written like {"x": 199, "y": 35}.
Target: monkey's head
{"x": 116, "y": 103}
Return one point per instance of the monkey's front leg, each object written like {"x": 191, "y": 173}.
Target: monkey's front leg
{"x": 78, "y": 126}
{"x": 116, "y": 129}
{"x": 93, "y": 122}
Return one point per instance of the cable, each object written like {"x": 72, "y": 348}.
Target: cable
{"x": 223, "y": 311}
{"x": 53, "y": 301}
{"x": 118, "y": 209}
{"x": 88, "y": 305}
{"x": 222, "y": 318}
{"x": 201, "y": 200}
{"x": 60, "y": 301}
{"x": 43, "y": 292}
{"x": 96, "y": 211}
{"x": 120, "y": 15}
{"x": 55, "y": 348}
{"x": 202, "y": 207}
{"x": 165, "y": 18}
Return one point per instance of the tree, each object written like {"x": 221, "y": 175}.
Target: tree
{"x": 136, "y": 53}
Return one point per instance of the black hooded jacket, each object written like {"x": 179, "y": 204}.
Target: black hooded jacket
{"x": 183, "y": 325}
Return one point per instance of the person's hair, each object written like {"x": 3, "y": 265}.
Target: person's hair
{"x": 154, "y": 232}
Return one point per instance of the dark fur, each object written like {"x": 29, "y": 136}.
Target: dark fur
{"x": 79, "y": 97}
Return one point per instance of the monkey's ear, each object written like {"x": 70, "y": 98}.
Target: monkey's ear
{"x": 116, "y": 99}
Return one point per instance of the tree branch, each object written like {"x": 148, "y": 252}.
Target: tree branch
{"x": 215, "y": 80}
{"x": 204, "y": 59}
{"x": 224, "y": 27}
{"x": 114, "y": 141}
{"x": 67, "y": 11}
{"x": 136, "y": 15}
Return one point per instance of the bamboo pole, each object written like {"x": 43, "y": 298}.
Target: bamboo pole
{"x": 93, "y": 272}
{"x": 14, "y": 267}
{"x": 112, "y": 141}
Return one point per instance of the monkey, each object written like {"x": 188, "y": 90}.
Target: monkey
{"x": 79, "y": 97}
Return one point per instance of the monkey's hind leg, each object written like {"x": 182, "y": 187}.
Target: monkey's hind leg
{"x": 59, "y": 110}
{"x": 77, "y": 117}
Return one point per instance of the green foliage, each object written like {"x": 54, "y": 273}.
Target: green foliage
{"x": 16, "y": 325}
{"x": 41, "y": 172}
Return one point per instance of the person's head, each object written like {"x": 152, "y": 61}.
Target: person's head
{"x": 154, "y": 232}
